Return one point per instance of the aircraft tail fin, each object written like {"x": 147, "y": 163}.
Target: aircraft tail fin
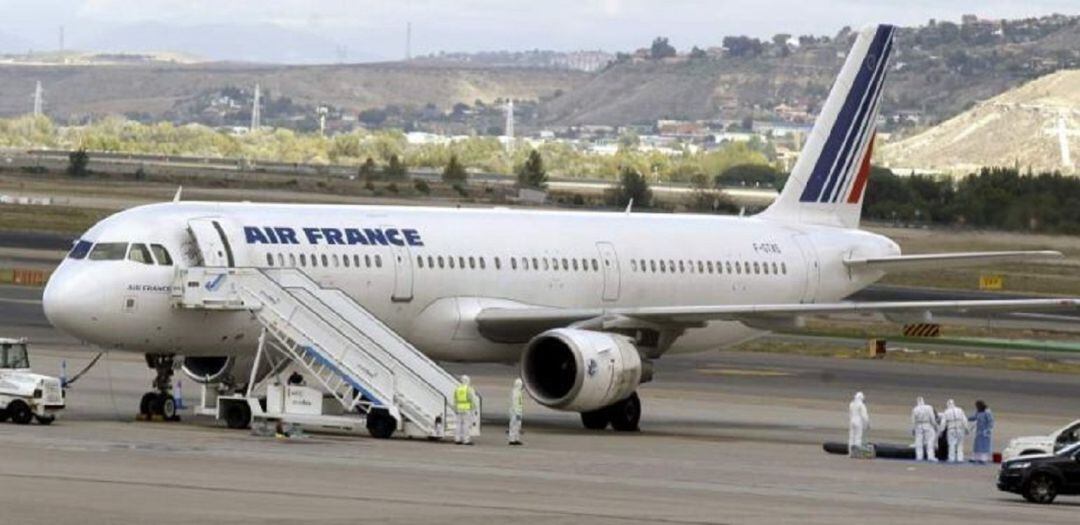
{"x": 827, "y": 183}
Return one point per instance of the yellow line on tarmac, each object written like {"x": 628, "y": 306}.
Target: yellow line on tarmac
{"x": 743, "y": 372}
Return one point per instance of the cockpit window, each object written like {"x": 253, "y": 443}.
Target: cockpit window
{"x": 14, "y": 356}
{"x": 109, "y": 251}
{"x": 140, "y": 254}
{"x": 80, "y": 249}
{"x": 161, "y": 254}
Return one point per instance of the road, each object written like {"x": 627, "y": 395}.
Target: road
{"x": 727, "y": 437}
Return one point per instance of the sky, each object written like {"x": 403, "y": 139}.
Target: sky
{"x": 320, "y": 30}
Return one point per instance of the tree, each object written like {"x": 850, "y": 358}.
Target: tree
{"x": 77, "y": 162}
{"x": 697, "y": 53}
{"x": 367, "y": 169}
{"x": 632, "y": 185}
{"x": 395, "y": 169}
{"x": 454, "y": 172}
{"x": 532, "y": 174}
{"x": 661, "y": 49}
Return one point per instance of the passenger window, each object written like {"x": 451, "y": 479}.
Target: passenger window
{"x": 774, "y": 268}
{"x": 450, "y": 260}
{"x": 314, "y": 260}
{"x": 498, "y": 264}
{"x": 378, "y": 261}
{"x": 756, "y": 268}
{"x": 345, "y": 260}
{"x": 140, "y": 254}
{"x": 440, "y": 261}
{"x": 728, "y": 267}
{"x": 546, "y": 264}
{"x": 513, "y": 263}
{"x": 482, "y": 265}
{"x": 701, "y": 267}
{"x": 324, "y": 261}
{"x": 269, "y": 259}
{"x": 595, "y": 267}
{"x": 633, "y": 265}
{"x": 765, "y": 268}
{"x": 681, "y": 268}
{"x": 565, "y": 265}
{"x": 472, "y": 263}
{"x": 430, "y": 261}
{"x": 535, "y": 265}
{"x": 663, "y": 267}
{"x": 292, "y": 260}
{"x": 303, "y": 260}
{"x": 709, "y": 266}
{"x": 356, "y": 260}
{"x": 461, "y": 262}
{"x": 80, "y": 249}
{"x": 367, "y": 261}
{"x": 420, "y": 261}
{"x": 109, "y": 251}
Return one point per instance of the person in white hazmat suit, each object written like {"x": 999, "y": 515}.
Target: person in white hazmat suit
{"x": 954, "y": 421}
{"x": 859, "y": 421}
{"x": 924, "y": 426}
{"x": 517, "y": 411}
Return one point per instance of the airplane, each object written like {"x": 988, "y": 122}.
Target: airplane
{"x": 550, "y": 290}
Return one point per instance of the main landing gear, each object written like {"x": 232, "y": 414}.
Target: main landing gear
{"x": 623, "y": 416}
{"x": 160, "y": 401}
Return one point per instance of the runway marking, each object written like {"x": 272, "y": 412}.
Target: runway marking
{"x": 19, "y": 301}
{"x": 743, "y": 372}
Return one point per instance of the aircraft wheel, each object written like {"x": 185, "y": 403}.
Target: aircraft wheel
{"x": 595, "y": 420}
{"x": 626, "y": 414}
{"x": 166, "y": 406}
{"x": 146, "y": 404}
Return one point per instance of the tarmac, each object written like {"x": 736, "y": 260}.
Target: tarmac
{"x": 727, "y": 437}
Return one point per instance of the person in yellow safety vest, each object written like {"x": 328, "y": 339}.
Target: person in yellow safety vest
{"x": 464, "y": 401}
{"x": 517, "y": 410}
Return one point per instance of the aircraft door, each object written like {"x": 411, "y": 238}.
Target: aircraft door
{"x": 609, "y": 264}
{"x": 812, "y": 268}
{"x": 211, "y": 242}
{"x": 401, "y": 258}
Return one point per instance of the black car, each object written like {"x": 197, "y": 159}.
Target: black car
{"x": 1041, "y": 478}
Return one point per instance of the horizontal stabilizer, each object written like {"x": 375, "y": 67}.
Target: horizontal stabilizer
{"x": 935, "y": 261}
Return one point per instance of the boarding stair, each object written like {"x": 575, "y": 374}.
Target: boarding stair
{"x": 353, "y": 356}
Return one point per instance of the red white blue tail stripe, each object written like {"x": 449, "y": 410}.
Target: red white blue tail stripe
{"x": 840, "y": 171}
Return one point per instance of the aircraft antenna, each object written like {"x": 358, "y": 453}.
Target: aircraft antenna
{"x": 179, "y": 191}
{"x": 629, "y": 205}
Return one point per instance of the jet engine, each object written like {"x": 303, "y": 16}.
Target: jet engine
{"x": 217, "y": 369}
{"x": 582, "y": 370}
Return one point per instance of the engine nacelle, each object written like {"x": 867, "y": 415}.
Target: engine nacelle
{"x": 581, "y": 370}
{"x": 213, "y": 369}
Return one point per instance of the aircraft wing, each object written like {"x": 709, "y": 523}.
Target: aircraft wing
{"x": 515, "y": 324}
{"x": 933, "y": 261}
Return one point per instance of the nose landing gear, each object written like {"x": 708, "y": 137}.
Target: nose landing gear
{"x": 160, "y": 402}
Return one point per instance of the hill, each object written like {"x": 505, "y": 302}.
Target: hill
{"x": 1017, "y": 128}
{"x": 156, "y": 90}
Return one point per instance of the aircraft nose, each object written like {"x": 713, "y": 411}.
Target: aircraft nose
{"x": 65, "y": 302}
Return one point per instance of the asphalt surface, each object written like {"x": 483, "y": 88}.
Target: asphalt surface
{"x": 726, "y": 438}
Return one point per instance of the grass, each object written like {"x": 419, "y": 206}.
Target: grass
{"x": 974, "y": 358}
{"x": 55, "y": 219}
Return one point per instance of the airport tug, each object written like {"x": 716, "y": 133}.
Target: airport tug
{"x": 24, "y": 395}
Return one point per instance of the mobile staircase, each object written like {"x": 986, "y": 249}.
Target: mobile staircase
{"x": 378, "y": 378}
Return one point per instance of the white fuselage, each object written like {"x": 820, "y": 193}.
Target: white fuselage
{"x": 511, "y": 258}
